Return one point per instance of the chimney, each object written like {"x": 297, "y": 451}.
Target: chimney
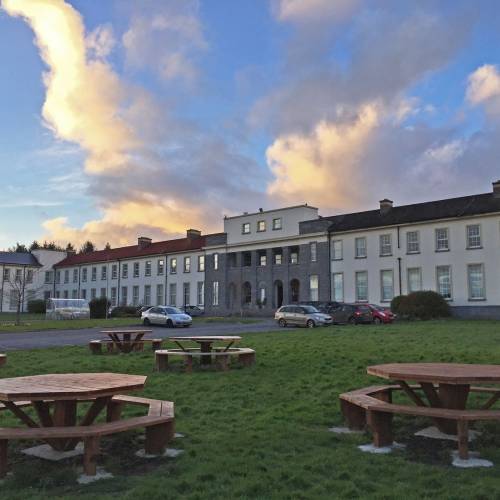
{"x": 192, "y": 234}
{"x": 143, "y": 242}
{"x": 261, "y": 210}
{"x": 496, "y": 189}
{"x": 385, "y": 206}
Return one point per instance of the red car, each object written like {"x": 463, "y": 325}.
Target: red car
{"x": 381, "y": 314}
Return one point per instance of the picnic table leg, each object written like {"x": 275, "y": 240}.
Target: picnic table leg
{"x": 161, "y": 362}
{"x": 90, "y": 454}
{"x": 189, "y": 364}
{"x": 354, "y": 415}
{"x": 114, "y": 411}
{"x": 3, "y": 457}
{"x": 223, "y": 362}
{"x": 64, "y": 416}
{"x": 463, "y": 439}
{"x": 453, "y": 397}
{"x": 381, "y": 427}
{"x": 206, "y": 348}
{"x": 157, "y": 437}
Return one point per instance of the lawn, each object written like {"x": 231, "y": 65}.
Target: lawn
{"x": 262, "y": 432}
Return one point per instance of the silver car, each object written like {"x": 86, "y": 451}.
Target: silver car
{"x": 307, "y": 316}
{"x": 166, "y": 315}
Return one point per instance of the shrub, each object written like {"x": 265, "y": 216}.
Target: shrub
{"x": 421, "y": 305}
{"x": 36, "y": 306}
{"x": 98, "y": 307}
{"x": 125, "y": 312}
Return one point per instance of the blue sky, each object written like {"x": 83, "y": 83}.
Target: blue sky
{"x": 204, "y": 108}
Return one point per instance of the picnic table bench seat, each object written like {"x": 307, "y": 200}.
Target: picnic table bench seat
{"x": 373, "y": 406}
{"x": 96, "y": 346}
{"x": 3, "y": 359}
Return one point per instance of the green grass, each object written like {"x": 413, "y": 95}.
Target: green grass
{"x": 30, "y": 325}
{"x": 262, "y": 432}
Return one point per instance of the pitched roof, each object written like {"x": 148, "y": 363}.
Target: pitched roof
{"x": 134, "y": 251}
{"x": 464, "y": 206}
{"x": 19, "y": 259}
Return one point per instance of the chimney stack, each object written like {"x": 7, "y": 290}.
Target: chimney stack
{"x": 192, "y": 234}
{"x": 143, "y": 242}
{"x": 385, "y": 206}
{"x": 496, "y": 189}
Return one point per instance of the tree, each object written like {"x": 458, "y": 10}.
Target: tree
{"x": 107, "y": 246}
{"x": 34, "y": 246}
{"x": 87, "y": 247}
{"x": 20, "y": 248}
{"x": 70, "y": 248}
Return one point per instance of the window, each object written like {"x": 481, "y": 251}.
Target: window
{"x": 215, "y": 293}
{"x": 173, "y": 266}
{"x": 247, "y": 259}
{"x": 277, "y": 224}
{"x": 201, "y": 263}
{"x": 245, "y": 228}
{"x": 443, "y": 279}
{"x": 187, "y": 264}
{"x": 295, "y": 290}
{"x": 200, "y": 293}
{"x": 314, "y": 287}
{"x": 84, "y": 275}
{"x": 262, "y": 258}
{"x": 160, "y": 267}
{"x": 66, "y": 276}
{"x": 173, "y": 294}
{"x": 14, "y": 299}
{"x": 261, "y": 226}
{"x": 338, "y": 287}
{"x": 294, "y": 255}
{"x": 135, "y": 295}
{"x": 186, "y": 294}
{"x": 136, "y": 270}
{"x": 6, "y": 275}
{"x": 104, "y": 273}
{"x": 147, "y": 295}
{"x": 30, "y": 295}
{"x": 414, "y": 279}
{"x": 232, "y": 259}
{"x": 474, "y": 236}
{"x": 147, "y": 270}
{"x": 159, "y": 294}
{"x": 113, "y": 295}
{"x": 58, "y": 294}
{"x": 262, "y": 299}
{"x": 216, "y": 261}
{"x": 386, "y": 285}
{"x": 84, "y": 293}
{"x": 46, "y": 296}
{"x": 412, "y": 242}
{"x": 75, "y": 276}
{"x": 385, "y": 245}
{"x": 475, "y": 280}
{"x": 278, "y": 256}
{"x": 124, "y": 297}
{"x": 58, "y": 277}
{"x": 94, "y": 274}
{"x": 361, "y": 281}
{"x": 442, "y": 240}
{"x": 114, "y": 272}
{"x": 103, "y": 293}
{"x": 48, "y": 276}
{"x": 74, "y": 294}
{"x": 65, "y": 294}
{"x": 314, "y": 251}
{"x": 337, "y": 250}
{"x": 29, "y": 276}
{"x": 246, "y": 293}
{"x": 93, "y": 293}
{"x": 360, "y": 247}
{"x": 19, "y": 275}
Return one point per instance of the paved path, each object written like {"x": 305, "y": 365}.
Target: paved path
{"x": 51, "y": 338}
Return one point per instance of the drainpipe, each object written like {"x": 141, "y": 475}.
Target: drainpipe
{"x": 118, "y": 285}
{"x": 22, "y": 289}
{"x": 1, "y": 296}
{"x": 165, "y": 270}
{"x": 399, "y": 273}
{"x": 330, "y": 268}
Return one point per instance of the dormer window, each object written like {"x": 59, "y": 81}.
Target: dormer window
{"x": 245, "y": 228}
{"x": 261, "y": 226}
{"x": 277, "y": 224}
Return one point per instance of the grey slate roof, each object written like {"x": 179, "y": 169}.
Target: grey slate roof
{"x": 19, "y": 259}
{"x": 464, "y": 206}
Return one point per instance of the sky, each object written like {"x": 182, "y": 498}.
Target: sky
{"x": 122, "y": 118}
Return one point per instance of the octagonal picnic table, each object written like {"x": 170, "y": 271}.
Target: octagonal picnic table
{"x": 453, "y": 382}
{"x": 126, "y": 340}
{"x": 205, "y": 342}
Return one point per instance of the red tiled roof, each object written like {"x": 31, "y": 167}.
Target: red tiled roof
{"x": 133, "y": 251}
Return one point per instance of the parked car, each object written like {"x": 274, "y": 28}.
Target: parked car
{"x": 194, "y": 310}
{"x": 352, "y": 313}
{"x": 166, "y": 315}
{"x": 381, "y": 314}
{"x": 301, "y": 315}
{"x": 325, "y": 307}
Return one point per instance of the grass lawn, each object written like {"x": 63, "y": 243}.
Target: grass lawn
{"x": 262, "y": 432}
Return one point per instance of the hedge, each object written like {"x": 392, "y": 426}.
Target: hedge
{"x": 37, "y": 306}
{"x": 420, "y": 305}
{"x": 99, "y": 307}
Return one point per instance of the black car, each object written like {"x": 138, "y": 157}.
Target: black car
{"x": 353, "y": 314}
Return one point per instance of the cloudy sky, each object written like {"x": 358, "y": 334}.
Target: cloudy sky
{"x": 127, "y": 117}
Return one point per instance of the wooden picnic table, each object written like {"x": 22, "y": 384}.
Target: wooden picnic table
{"x": 64, "y": 392}
{"x": 205, "y": 342}
{"x": 453, "y": 383}
{"x": 126, "y": 340}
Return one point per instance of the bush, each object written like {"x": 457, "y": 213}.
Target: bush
{"x": 420, "y": 305}
{"x": 36, "y": 306}
{"x": 125, "y": 312}
{"x": 98, "y": 307}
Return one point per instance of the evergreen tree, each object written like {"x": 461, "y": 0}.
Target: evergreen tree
{"x": 87, "y": 247}
{"x": 34, "y": 246}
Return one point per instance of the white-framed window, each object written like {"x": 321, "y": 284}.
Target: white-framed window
{"x": 386, "y": 285}
{"x": 66, "y": 294}
{"x": 314, "y": 251}
{"x": 136, "y": 270}
{"x": 83, "y": 293}
{"x": 66, "y": 278}
{"x": 46, "y": 295}
{"x": 14, "y": 299}
{"x": 173, "y": 265}
{"x": 442, "y": 239}
{"x": 412, "y": 242}
{"x": 159, "y": 294}
{"x": 84, "y": 274}
{"x": 103, "y": 292}
{"x": 160, "y": 267}
{"x": 414, "y": 279}
{"x": 113, "y": 295}
{"x": 135, "y": 295}
{"x": 314, "y": 287}
{"x": 124, "y": 296}
{"x": 186, "y": 292}
{"x": 58, "y": 277}
{"x": 187, "y": 264}
{"x": 125, "y": 271}
{"x": 114, "y": 271}
{"x": 29, "y": 275}
{"x": 277, "y": 224}
{"x": 94, "y": 274}
{"x": 475, "y": 281}
{"x": 75, "y": 276}
{"x": 215, "y": 293}
{"x": 147, "y": 295}
{"x": 361, "y": 282}
{"x": 245, "y": 228}
{"x": 31, "y": 295}
{"x": 261, "y": 226}
{"x": 385, "y": 244}
{"x": 263, "y": 258}
{"x": 443, "y": 281}
{"x": 147, "y": 269}
{"x": 200, "y": 293}
{"x": 360, "y": 247}
{"x": 74, "y": 294}
{"x": 294, "y": 256}
{"x": 172, "y": 292}
{"x": 19, "y": 275}
{"x": 474, "y": 236}
{"x": 93, "y": 293}
{"x": 104, "y": 273}
{"x": 338, "y": 287}
{"x": 337, "y": 250}
{"x": 216, "y": 261}
{"x": 201, "y": 263}
{"x": 278, "y": 257}
{"x": 48, "y": 276}
{"x": 6, "y": 275}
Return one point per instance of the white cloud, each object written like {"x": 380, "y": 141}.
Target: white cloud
{"x": 484, "y": 88}
{"x": 300, "y": 11}
{"x": 101, "y": 41}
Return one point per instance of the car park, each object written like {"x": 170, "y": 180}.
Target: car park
{"x": 194, "y": 310}
{"x": 166, "y": 315}
{"x": 353, "y": 314}
{"x": 301, "y": 315}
